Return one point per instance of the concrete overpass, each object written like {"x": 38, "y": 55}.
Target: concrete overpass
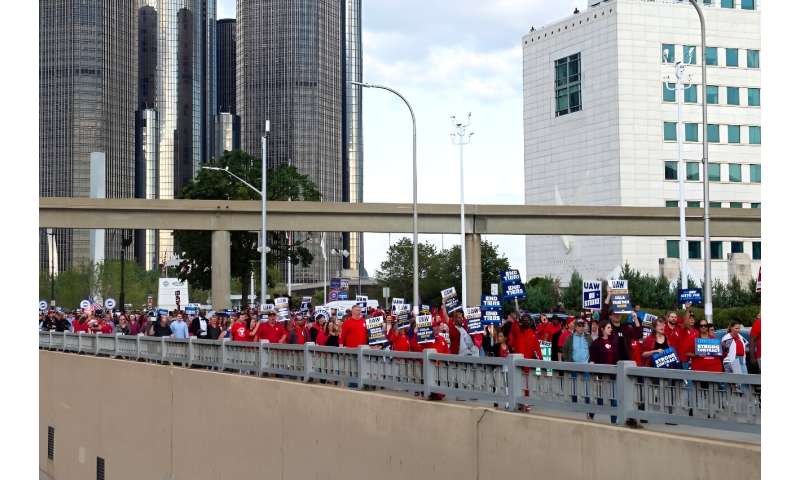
{"x": 221, "y": 217}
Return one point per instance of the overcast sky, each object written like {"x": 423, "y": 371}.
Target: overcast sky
{"x": 447, "y": 58}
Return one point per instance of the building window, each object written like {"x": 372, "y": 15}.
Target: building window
{"x": 748, "y": 4}
{"x": 671, "y": 204}
{"x": 734, "y": 172}
{"x": 713, "y": 172}
{"x": 754, "y": 97}
{"x": 732, "y": 57}
{"x": 670, "y": 170}
{"x": 693, "y": 171}
{"x": 690, "y": 132}
{"x": 714, "y": 204}
{"x": 736, "y": 204}
{"x": 712, "y": 94}
{"x": 755, "y": 205}
{"x": 732, "y": 96}
{"x": 727, "y": 3}
{"x": 753, "y": 60}
{"x": 711, "y": 55}
{"x": 695, "y": 250}
{"x": 756, "y": 250}
{"x": 568, "y": 84}
{"x": 755, "y": 173}
{"x": 755, "y": 135}
{"x": 693, "y": 204}
{"x": 689, "y": 54}
{"x": 673, "y": 249}
{"x": 670, "y": 132}
{"x": 716, "y": 250}
{"x": 690, "y": 94}
{"x": 737, "y": 247}
{"x": 734, "y": 134}
{"x": 668, "y": 92}
{"x": 668, "y": 53}
{"x": 713, "y": 132}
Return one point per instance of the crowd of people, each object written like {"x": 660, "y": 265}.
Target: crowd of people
{"x": 602, "y": 337}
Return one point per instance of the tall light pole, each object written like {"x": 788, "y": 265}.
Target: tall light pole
{"x": 707, "y": 294}
{"x": 461, "y": 138}
{"x": 680, "y": 87}
{"x": 414, "y": 163}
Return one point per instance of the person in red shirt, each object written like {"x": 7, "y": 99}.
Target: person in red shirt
{"x": 657, "y": 342}
{"x": 672, "y": 330}
{"x": 705, "y": 363}
{"x": 543, "y": 329}
{"x": 525, "y": 341}
{"x": 398, "y": 338}
{"x": 455, "y": 336}
{"x": 105, "y": 327}
{"x": 270, "y": 331}
{"x": 296, "y": 333}
{"x": 354, "y": 330}
{"x": 81, "y": 325}
{"x": 239, "y": 330}
{"x": 686, "y": 344}
{"x": 755, "y": 338}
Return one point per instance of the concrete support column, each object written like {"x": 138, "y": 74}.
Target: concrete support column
{"x": 473, "y": 254}
{"x": 220, "y": 269}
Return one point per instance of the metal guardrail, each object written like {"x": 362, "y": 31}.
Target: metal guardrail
{"x": 712, "y": 400}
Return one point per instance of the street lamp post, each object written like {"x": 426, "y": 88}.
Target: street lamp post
{"x": 461, "y": 138}
{"x": 679, "y": 89}
{"x": 414, "y": 163}
{"x": 707, "y": 294}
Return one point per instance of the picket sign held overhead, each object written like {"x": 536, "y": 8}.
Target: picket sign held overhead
{"x": 450, "y": 300}
{"x": 43, "y": 305}
{"x": 472, "y": 315}
{"x": 620, "y": 298}
{"x": 110, "y": 303}
{"x": 375, "y": 332}
{"x": 425, "y": 329}
{"x": 690, "y": 295}
{"x": 592, "y": 295}
{"x": 85, "y": 304}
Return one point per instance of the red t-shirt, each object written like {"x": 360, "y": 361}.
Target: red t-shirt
{"x": 687, "y": 344}
{"x": 739, "y": 346}
{"x": 270, "y": 333}
{"x": 636, "y": 352}
{"x": 673, "y": 335}
{"x": 440, "y": 344}
{"x": 503, "y": 350}
{"x": 81, "y": 327}
{"x": 707, "y": 364}
{"x": 527, "y": 344}
{"x": 354, "y": 333}
{"x": 105, "y": 328}
{"x": 755, "y": 335}
{"x": 239, "y": 332}
{"x": 399, "y": 341}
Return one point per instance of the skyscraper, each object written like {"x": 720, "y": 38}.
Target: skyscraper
{"x": 227, "y": 122}
{"x": 289, "y": 71}
{"x": 209, "y": 64}
{"x": 87, "y": 95}
{"x": 170, "y": 113}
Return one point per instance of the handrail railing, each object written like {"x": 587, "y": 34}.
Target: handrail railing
{"x": 711, "y": 400}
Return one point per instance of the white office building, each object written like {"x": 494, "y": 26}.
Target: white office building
{"x": 600, "y": 129}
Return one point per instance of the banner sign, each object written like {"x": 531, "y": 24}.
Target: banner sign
{"x": 43, "y": 305}
{"x": 666, "y": 359}
{"x": 402, "y": 316}
{"x": 172, "y": 291}
{"x": 620, "y": 299}
{"x": 648, "y": 321}
{"x": 361, "y": 300}
{"x": 282, "y": 307}
{"x": 512, "y": 285}
{"x": 491, "y": 302}
{"x": 340, "y": 311}
{"x": 333, "y": 295}
{"x": 424, "y": 309}
{"x": 707, "y": 347}
{"x": 192, "y": 309}
{"x": 305, "y": 304}
{"x": 491, "y": 317}
{"x": 450, "y": 300}
{"x": 343, "y": 295}
{"x": 690, "y": 295}
{"x": 472, "y": 315}
{"x": 425, "y": 329}
{"x": 397, "y": 302}
{"x": 322, "y": 311}
{"x": 375, "y": 333}
{"x": 592, "y": 294}
{"x": 510, "y": 277}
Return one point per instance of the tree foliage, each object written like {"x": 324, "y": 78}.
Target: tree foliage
{"x": 283, "y": 183}
{"x": 542, "y": 294}
{"x": 573, "y": 294}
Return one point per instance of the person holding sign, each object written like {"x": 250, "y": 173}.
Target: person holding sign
{"x": 656, "y": 343}
{"x": 398, "y": 337}
{"x": 734, "y": 347}
{"x": 704, "y": 362}
{"x": 604, "y": 351}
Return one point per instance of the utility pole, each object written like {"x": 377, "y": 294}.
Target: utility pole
{"x": 461, "y": 137}
{"x": 126, "y": 241}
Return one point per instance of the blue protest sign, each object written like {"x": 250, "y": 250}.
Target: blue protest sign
{"x": 690, "y": 295}
{"x": 491, "y": 302}
{"x": 510, "y": 277}
{"x": 450, "y": 300}
{"x": 336, "y": 283}
{"x": 512, "y": 291}
{"x": 491, "y": 317}
{"x": 425, "y": 309}
{"x": 707, "y": 347}
{"x": 621, "y": 303}
{"x": 591, "y": 295}
{"x": 425, "y": 329}
{"x": 343, "y": 295}
{"x": 667, "y": 359}
{"x": 472, "y": 315}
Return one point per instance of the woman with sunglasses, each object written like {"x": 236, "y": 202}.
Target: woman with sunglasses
{"x": 707, "y": 363}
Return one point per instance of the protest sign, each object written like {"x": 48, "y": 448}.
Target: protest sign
{"x": 305, "y": 304}
{"x": 375, "y": 333}
{"x": 620, "y": 299}
{"x": 510, "y": 277}
{"x": 282, "y": 307}
{"x": 472, "y": 315}
{"x": 396, "y": 302}
{"x": 491, "y": 317}
{"x": 690, "y": 295}
{"x": 512, "y": 285}
{"x": 514, "y": 291}
{"x": 322, "y": 311}
{"x": 592, "y": 295}
{"x": 491, "y": 302}
{"x": 667, "y": 359}
{"x": 402, "y": 316}
{"x": 648, "y": 321}
{"x": 361, "y": 300}
{"x": 424, "y": 309}
{"x": 450, "y": 300}
{"x": 343, "y": 295}
{"x": 425, "y": 329}
{"x": 707, "y": 347}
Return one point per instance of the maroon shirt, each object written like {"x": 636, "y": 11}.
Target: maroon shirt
{"x": 603, "y": 351}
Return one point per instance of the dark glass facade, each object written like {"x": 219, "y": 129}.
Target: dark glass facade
{"x": 226, "y": 66}
{"x": 87, "y": 96}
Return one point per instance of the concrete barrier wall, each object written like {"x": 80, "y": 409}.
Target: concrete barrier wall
{"x": 157, "y": 422}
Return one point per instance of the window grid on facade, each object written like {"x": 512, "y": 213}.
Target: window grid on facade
{"x": 753, "y": 60}
{"x": 712, "y": 94}
{"x": 568, "y": 84}
{"x": 732, "y": 95}
{"x": 713, "y": 172}
{"x": 691, "y": 132}
{"x": 695, "y": 249}
{"x": 693, "y": 171}
{"x": 713, "y": 132}
{"x": 754, "y": 134}
{"x": 670, "y": 170}
{"x": 716, "y": 250}
{"x": 668, "y": 92}
{"x": 670, "y": 131}
{"x": 737, "y": 247}
{"x": 754, "y": 97}
{"x": 731, "y": 57}
{"x": 756, "y": 250}
{"x": 734, "y": 133}
{"x": 711, "y": 56}
{"x": 689, "y": 54}
{"x": 690, "y": 94}
{"x": 755, "y": 173}
{"x": 734, "y": 172}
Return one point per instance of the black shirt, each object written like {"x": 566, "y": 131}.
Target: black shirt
{"x": 332, "y": 341}
{"x": 213, "y": 333}
{"x": 161, "y": 331}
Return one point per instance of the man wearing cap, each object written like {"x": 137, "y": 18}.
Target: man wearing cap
{"x": 270, "y": 330}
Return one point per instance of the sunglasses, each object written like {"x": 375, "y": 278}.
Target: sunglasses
{"x": 703, "y": 325}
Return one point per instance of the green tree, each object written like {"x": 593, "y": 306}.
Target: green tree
{"x": 283, "y": 183}
{"x": 493, "y": 264}
{"x": 138, "y": 282}
{"x": 397, "y": 271}
{"x": 542, "y": 294}
{"x": 573, "y": 294}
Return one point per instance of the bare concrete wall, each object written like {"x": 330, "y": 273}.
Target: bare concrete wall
{"x": 157, "y": 422}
